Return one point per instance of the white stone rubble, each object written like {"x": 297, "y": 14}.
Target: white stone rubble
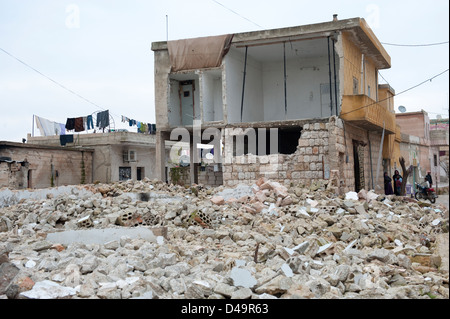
{"x": 257, "y": 241}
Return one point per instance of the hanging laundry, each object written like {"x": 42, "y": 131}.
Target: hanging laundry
{"x": 62, "y": 129}
{"x": 90, "y": 122}
{"x": 79, "y": 127}
{"x": 47, "y": 127}
{"x": 64, "y": 139}
{"x": 143, "y": 128}
{"x": 84, "y": 122}
{"x": 70, "y": 124}
{"x": 103, "y": 119}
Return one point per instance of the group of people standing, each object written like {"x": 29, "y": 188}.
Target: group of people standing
{"x": 393, "y": 186}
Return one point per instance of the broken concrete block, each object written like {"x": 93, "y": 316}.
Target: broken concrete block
{"x": 242, "y": 293}
{"x": 287, "y": 270}
{"x": 85, "y": 222}
{"x": 100, "y": 236}
{"x": 48, "y": 290}
{"x": 8, "y": 272}
{"x": 109, "y": 290}
{"x": 360, "y": 209}
{"x": 382, "y": 255}
{"x": 277, "y": 285}
{"x": 42, "y": 245}
{"x": 342, "y": 272}
{"x": 242, "y": 277}
{"x": 224, "y": 289}
{"x": 351, "y": 196}
{"x": 218, "y": 200}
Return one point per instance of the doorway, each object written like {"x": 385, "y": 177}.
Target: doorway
{"x": 140, "y": 173}
{"x": 187, "y": 102}
{"x": 29, "y": 179}
{"x": 358, "y": 165}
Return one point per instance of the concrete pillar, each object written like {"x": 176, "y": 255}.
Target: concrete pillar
{"x": 160, "y": 167}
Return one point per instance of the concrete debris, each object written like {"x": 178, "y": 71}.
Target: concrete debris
{"x": 150, "y": 240}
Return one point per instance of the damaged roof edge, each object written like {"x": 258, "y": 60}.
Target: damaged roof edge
{"x": 357, "y": 27}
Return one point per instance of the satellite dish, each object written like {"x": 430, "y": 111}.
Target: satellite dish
{"x": 184, "y": 161}
{"x": 402, "y": 109}
{"x": 209, "y": 156}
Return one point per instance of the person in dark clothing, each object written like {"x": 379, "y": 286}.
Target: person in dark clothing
{"x": 429, "y": 179}
{"x": 387, "y": 184}
{"x": 397, "y": 178}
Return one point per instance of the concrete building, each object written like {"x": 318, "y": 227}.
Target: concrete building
{"x": 117, "y": 156}
{"x": 41, "y": 166}
{"x": 296, "y": 105}
{"x": 416, "y": 146}
{"x": 439, "y": 136}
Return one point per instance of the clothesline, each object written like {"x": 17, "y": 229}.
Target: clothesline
{"x": 144, "y": 128}
{"x": 78, "y": 124}
{"x": 85, "y": 123}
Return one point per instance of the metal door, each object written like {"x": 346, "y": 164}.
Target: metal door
{"x": 187, "y": 102}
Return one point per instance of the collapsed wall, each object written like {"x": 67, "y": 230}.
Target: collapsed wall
{"x": 318, "y": 153}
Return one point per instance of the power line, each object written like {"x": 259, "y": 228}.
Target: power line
{"x": 414, "y": 45}
{"x": 383, "y": 77}
{"x": 57, "y": 83}
{"x": 411, "y": 88}
{"x": 236, "y": 13}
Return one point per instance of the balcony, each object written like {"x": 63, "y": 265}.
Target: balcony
{"x": 362, "y": 111}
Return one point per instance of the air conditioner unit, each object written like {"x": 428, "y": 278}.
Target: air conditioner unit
{"x": 129, "y": 156}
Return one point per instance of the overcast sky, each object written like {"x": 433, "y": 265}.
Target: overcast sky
{"x": 100, "y": 50}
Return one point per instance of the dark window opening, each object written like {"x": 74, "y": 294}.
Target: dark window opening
{"x": 287, "y": 142}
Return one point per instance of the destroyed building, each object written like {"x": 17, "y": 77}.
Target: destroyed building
{"x": 304, "y": 102}
{"x": 39, "y": 166}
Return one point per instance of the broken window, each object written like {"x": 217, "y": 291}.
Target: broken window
{"x": 124, "y": 173}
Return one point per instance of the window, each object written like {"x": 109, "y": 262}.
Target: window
{"x": 435, "y": 160}
{"x": 129, "y": 156}
{"x": 124, "y": 173}
{"x": 369, "y": 93}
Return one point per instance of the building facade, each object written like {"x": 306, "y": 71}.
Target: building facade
{"x": 117, "y": 156}
{"x": 439, "y": 138}
{"x": 43, "y": 166}
{"x": 416, "y": 146}
{"x": 292, "y": 104}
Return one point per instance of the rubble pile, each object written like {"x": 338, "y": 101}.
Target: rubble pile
{"x": 151, "y": 240}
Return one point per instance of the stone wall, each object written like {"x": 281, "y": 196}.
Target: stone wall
{"x": 323, "y": 147}
{"x": 315, "y": 157}
{"x": 54, "y": 166}
{"x": 210, "y": 177}
{"x": 13, "y": 175}
{"x": 206, "y": 176}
